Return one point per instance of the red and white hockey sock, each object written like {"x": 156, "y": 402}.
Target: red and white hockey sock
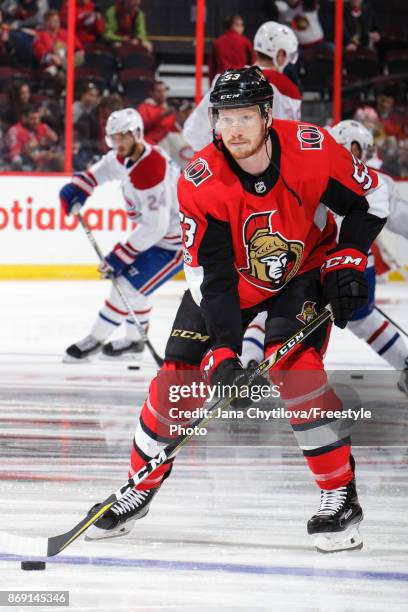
{"x": 253, "y": 342}
{"x": 113, "y": 312}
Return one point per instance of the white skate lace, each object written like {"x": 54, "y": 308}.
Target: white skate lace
{"x": 331, "y": 501}
{"x": 131, "y": 501}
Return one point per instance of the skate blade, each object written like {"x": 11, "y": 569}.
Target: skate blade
{"x": 124, "y": 357}
{"x": 338, "y": 541}
{"x": 68, "y": 359}
{"x": 94, "y": 533}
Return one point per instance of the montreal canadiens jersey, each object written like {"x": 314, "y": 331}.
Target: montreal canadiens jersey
{"x": 149, "y": 188}
{"x": 286, "y": 105}
{"x": 246, "y": 237}
{"x": 397, "y": 221}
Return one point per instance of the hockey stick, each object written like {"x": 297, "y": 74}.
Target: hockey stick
{"x": 390, "y": 320}
{"x": 54, "y": 545}
{"x": 121, "y": 293}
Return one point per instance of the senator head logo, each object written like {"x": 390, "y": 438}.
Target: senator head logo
{"x": 308, "y": 312}
{"x": 272, "y": 259}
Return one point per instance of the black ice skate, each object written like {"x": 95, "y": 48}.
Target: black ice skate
{"x": 122, "y": 348}
{"x": 335, "y": 525}
{"x": 82, "y": 350}
{"x": 119, "y": 519}
{"x": 403, "y": 379}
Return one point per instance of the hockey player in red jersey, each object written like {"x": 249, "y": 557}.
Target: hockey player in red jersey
{"x": 152, "y": 253}
{"x": 257, "y": 236}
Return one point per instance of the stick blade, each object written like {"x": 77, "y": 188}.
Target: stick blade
{"x": 56, "y": 544}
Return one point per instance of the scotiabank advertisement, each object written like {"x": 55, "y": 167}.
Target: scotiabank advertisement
{"x": 35, "y": 231}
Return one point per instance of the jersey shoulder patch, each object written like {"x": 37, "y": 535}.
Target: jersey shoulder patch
{"x": 149, "y": 172}
{"x": 197, "y": 171}
{"x": 310, "y": 137}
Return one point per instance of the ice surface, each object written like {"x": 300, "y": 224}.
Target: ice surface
{"x": 227, "y": 530}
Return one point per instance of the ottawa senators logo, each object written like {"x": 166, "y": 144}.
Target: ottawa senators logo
{"x": 197, "y": 171}
{"x": 308, "y": 312}
{"x": 272, "y": 260}
{"x": 310, "y": 137}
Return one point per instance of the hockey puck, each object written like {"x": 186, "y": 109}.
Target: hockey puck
{"x": 33, "y": 565}
{"x": 357, "y": 376}
{"x": 133, "y": 367}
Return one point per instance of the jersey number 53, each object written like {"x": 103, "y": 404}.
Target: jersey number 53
{"x": 188, "y": 230}
{"x": 361, "y": 174}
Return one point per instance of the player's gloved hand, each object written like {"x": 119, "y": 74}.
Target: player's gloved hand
{"x": 221, "y": 365}
{"x": 73, "y": 195}
{"x": 117, "y": 261}
{"x": 344, "y": 284}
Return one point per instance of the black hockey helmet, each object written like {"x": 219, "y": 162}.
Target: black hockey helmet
{"x": 238, "y": 88}
{"x": 241, "y": 87}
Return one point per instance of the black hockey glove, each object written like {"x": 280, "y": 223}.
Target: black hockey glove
{"x": 344, "y": 284}
{"x": 221, "y": 365}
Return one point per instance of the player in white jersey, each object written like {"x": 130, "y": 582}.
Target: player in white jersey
{"x": 152, "y": 253}
{"x": 275, "y": 47}
{"x": 367, "y": 323}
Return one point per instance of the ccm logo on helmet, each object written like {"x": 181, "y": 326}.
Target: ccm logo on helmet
{"x": 197, "y": 172}
{"x": 309, "y": 137}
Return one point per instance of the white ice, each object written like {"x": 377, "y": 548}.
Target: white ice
{"x": 227, "y": 530}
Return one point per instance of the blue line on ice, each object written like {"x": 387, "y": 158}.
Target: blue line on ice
{"x": 232, "y": 568}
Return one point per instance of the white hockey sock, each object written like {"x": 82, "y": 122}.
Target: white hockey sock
{"x": 142, "y": 312}
{"x": 383, "y": 337}
{"x": 114, "y": 313}
{"x": 253, "y": 342}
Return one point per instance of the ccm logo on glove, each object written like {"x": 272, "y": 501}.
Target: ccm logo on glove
{"x": 347, "y": 258}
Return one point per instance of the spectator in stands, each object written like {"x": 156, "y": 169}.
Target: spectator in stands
{"x": 24, "y": 13}
{"x": 88, "y": 99}
{"x": 50, "y": 47}
{"x": 360, "y": 26}
{"x": 32, "y": 144}
{"x": 303, "y": 17}
{"x": 90, "y": 23}
{"x": 158, "y": 117}
{"x": 392, "y": 118}
{"x": 174, "y": 142}
{"x": 18, "y": 96}
{"x": 82, "y": 154}
{"x": 230, "y": 50}
{"x": 91, "y": 126}
{"x": 125, "y": 22}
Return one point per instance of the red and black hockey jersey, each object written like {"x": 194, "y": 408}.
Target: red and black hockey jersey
{"x": 245, "y": 237}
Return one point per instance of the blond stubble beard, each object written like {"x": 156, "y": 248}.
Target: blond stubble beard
{"x": 247, "y": 152}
